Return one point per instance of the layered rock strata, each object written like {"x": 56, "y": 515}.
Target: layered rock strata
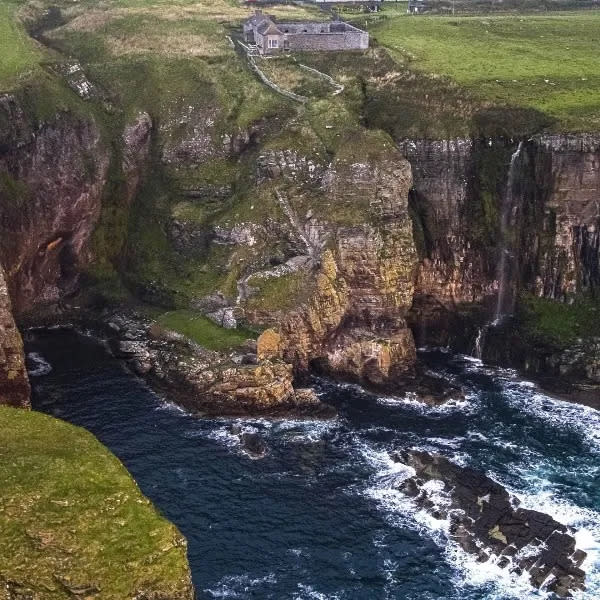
{"x": 535, "y": 203}
{"x": 351, "y": 322}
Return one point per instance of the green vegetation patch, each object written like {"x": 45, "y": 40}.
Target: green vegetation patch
{"x": 280, "y": 293}
{"x": 289, "y": 75}
{"x": 558, "y": 323}
{"x": 203, "y": 331}
{"x": 73, "y": 522}
{"x": 19, "y": 54}
{"x": 549, "y": 63}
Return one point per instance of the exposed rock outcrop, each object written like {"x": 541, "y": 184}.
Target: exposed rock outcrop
{"x": 549, "y": 235}
{"x": 352, "y": 320}
{"x": 14, "y": 383}
{"x": 487, "y": 521}
{"x": 207, "y": 382}
{"x": 137, "y": 140}
{"x": 566, "y": 239}
{"x": 52, "y": 178}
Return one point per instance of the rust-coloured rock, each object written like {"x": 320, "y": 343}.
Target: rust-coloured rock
{"x": 14, "y": 383}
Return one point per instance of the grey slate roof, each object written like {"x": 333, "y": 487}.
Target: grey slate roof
{"x": 268, "y": 28}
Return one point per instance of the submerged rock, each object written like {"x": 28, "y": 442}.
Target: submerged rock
{"x": 253, "y": 445}
{"x": 487, "y": 521}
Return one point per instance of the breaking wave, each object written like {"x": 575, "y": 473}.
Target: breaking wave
{"x": 38, "y": 365}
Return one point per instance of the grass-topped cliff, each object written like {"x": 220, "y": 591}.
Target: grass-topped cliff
{"x": 550, "y": 62}
{"x": 215, "y": 182}
{"x": 73, "y": 522}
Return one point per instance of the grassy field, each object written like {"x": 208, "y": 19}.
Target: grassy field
{"x": 19, "y": 54}
{"x": 73, "y": 523}
{"x": 550, "y": 63}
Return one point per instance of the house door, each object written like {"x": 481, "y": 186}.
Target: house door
{"x": 286, "y": 45}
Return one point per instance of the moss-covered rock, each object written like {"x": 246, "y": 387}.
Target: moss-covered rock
{"x": 73, "y": 522}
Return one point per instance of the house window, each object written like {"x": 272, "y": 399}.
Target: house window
{"x": 273, "y": 43}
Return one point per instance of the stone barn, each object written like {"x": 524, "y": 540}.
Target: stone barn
{"x": 272, "y": 37}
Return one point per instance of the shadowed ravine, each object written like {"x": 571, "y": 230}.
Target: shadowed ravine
{"x": 319, "y": 517}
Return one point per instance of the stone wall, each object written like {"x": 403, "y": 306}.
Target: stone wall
{"x": 348, "y": 40}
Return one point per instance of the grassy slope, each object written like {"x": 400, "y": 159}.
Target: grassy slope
{"x": 203, "y": 331}
{"x": 70, "y": 512}
{"x": 559, "y": 324}
{"x": 19, "y": 55}
{"x": 550, "y": 63}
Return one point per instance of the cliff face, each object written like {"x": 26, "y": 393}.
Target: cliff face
{"x": 566, "y": 229}
{"x": 510, "y": 228}
{"x": 353, "y": 324}
{"x": 475, "y": 200}
{"x": 14, "y": 384}
{"x": 454, "y": 267}
{"x": 53, "y": 176}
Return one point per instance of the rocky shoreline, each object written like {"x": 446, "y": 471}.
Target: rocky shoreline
{"x": 487, "y": 522}
{"x": 237, "y": 382}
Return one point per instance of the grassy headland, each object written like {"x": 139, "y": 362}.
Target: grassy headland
{"x": 73, "y": 522}
{"x": 549, "y": 63}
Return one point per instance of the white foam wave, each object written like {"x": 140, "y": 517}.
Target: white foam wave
{"x": 40, "y": 366}
{"x": 528, "y": 398}
{"x": 226, "y": 431}
{"x": 308, "y": 592}
{"x": 584, "y": 521}
{"x": 410, "y": 400}
{"x": 240, "y": 586}
{"x": 559, "y": 413}
{"x": 499, "y": 584}
{"x": 170, "y": 407}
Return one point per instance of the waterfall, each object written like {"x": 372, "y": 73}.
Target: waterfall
{"x": 506, "y": 263}
{"x": 480, "y": 341}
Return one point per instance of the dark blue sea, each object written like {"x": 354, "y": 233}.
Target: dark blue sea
{"x": 319, "y": 517}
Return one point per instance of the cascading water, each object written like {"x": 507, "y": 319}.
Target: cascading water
{"x": 506, "y": 264}
{"x": 480, "y": 341}
{"x": 504, "y": 303}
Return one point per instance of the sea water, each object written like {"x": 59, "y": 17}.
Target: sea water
{"x": 320, "y": 517}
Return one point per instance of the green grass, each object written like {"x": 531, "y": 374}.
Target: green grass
{"x": 19, "y": 56}
{"x": 203, "y": 331}
{"x": 558, "y": 323}
{"x": 549, "y": 63}
{"x": 70, "y": 512}
{"x": 280, "y": 293}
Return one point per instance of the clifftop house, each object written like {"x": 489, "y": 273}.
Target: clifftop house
{"x": 272, "y": 37}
